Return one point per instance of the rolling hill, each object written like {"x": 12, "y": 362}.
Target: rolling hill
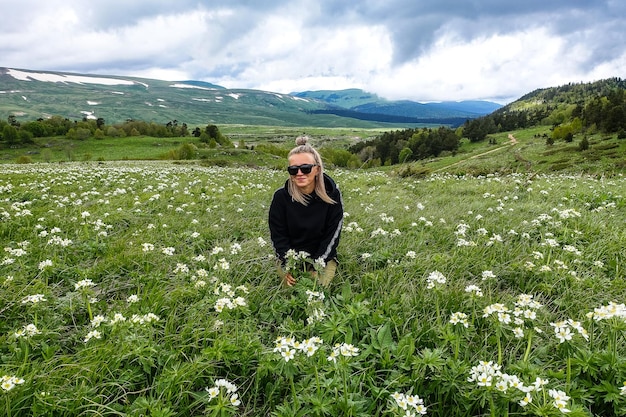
{"x": 29, "y": 95}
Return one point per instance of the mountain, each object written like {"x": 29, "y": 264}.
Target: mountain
{"x": 363, "y": 102}
{"x": 29, "y": 95}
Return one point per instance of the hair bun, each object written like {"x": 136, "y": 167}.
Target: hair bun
{"x": 302, "y": 140}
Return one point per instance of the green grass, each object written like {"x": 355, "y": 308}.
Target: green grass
{"x": 182, "y": 236}
{"x": 61, "y": 149}
{"x": 530, "y": 154}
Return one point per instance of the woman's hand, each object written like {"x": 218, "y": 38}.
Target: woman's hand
{"x": 289, "y": 280}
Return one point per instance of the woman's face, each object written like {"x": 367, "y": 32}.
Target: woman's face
{"x": 305, "y": 182}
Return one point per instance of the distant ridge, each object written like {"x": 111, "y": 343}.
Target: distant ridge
{"x": 364, "y": 102}
{"x": 29, "y": 94}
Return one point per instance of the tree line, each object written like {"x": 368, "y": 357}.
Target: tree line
{"x": 407, "y": 145}
{"x": 15, "y": 133}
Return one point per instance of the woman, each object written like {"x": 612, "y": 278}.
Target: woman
{"x": 307, "y": 213}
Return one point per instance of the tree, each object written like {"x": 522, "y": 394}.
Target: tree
{"x": 71, "y": 134}
{"x": 25, "y": 136}
{"x": 477, "y": 130}
{"x": 82, "y": 133}
{"x": 9, "y": 134}
{"x": 584, "y": 144}
{"x": 112, "y": 132}
{"x": 405, "y": 154}
{"x": 37, "y": 128}
{"x": 13, "y": 121}
{"x": 214, "y": 133}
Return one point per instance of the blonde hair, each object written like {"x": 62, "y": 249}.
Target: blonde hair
{"x": 320, "y": 188}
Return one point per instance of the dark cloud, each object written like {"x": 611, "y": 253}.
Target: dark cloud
{"x": 416, "y": 24}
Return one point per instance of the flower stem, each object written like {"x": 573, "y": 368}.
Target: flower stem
{"x": 293, "y": 391}
{"x": 317, "y": 381}
{"x": 528, "y": 346}
{"x": 8, "y": 406}
{"x": 86, "y": 297}
{"x": 498, "y": 337}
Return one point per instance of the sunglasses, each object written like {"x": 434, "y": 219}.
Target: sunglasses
{"x": 305, "y": 168}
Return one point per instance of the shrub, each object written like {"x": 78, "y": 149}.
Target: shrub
{"x": 413, "y": 170}
{"x": 24, "y": 159}
{"x": 584, "y": 144}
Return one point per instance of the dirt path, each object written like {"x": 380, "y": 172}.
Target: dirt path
{"x": 512, "y": 142}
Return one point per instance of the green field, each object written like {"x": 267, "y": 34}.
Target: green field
{"x": 148, "y": 288}
{"x": 528, "y": 153}
{"x": 61, "y": 149}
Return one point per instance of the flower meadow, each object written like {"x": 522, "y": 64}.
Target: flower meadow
{"x": 150, "y": 289}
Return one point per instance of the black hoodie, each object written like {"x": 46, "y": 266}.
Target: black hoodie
{"x": 314, "y": 228}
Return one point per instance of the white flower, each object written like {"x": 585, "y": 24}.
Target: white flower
{"x": 213, "y": 392}
{"x": 94, "y": 334}
{"x": 234, "y": 400}
{"x": 9, "y": 382}
{"x": 474, "y": 289}
{"x": 133, "y": 298}
{"x": 560, "y": 400}
{"x": 526, "y": 400}
{"x": 117, "y": 317}
{"x": 181, "y": 268}
{"x": 235, "y": 248}
{"x": 33, "y": 299}
{"x": 169, "y": 251}
{"x": 27, "y": 331}
{"x": 434, "y": 278}
{"x": 487, "y": 274}
{"x": 45, "y": 264}
{"x": 97, "y": 321}
{"x": 459, "y": 317}
{"x": 222, "y": 264}
{"x": 85, "y": 283}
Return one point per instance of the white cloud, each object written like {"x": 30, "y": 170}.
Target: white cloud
{"x": 331, "y": 59}
{"x": 400, "y": 49}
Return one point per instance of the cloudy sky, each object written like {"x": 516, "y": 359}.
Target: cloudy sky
{"x": 423, "y": 50}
